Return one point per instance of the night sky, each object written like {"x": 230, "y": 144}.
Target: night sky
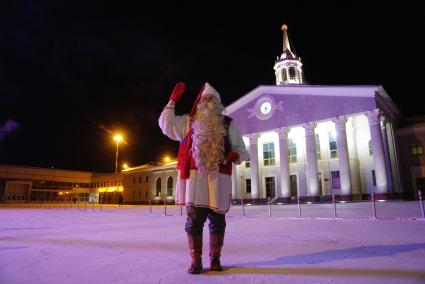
{"x": 72, "y": 73}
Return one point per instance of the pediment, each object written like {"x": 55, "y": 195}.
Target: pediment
{"x": 270, "y": 107}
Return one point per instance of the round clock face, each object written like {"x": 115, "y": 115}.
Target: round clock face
{"x": 266, "y": 107}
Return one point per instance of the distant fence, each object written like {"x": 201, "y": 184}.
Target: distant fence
{"x": 370, "y": 209}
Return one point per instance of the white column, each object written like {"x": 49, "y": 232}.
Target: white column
{"x": 386, "y": 154}
{"x": 312, "y": 176}
{"x": 253, "y": 168}
{"x": 343, "y": 159}
{"x": 234, "y": 182}
{"x": 285, "y": 187}
{"x": 378, "y": 151}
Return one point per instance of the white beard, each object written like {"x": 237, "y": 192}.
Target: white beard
{"x": 207, "y": 138}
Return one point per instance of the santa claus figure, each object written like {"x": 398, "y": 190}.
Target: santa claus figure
{"x": 209, "y": 143}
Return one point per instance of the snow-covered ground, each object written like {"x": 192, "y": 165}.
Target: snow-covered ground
{"x": 130, "y": 245}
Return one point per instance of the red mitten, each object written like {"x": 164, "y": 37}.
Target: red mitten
{"x": 178, "y": 91}
{"x": 233, "y": 156}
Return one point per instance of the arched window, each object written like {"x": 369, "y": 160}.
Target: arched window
{"x": 158, "y": 187}
{"x": 170, "y": 186}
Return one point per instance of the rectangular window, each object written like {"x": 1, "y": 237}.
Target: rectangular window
{"x": 140, "y": 179}
{"x": 292, "y": 73}
{"x": 336, "y": 182}
{"x": 332, "y": 145}
{"x": 370, "y": 148}
{"x": 318, "y": 155}
{"x": 268, "y": 154}
{"x": 373, "y": 178}
{"x": 146, "y": 178}
{"x": 416, "y": 149}
{"x": 284, "y": 75}
{"x": 270, "y": 192}
{"x": 292, "y": 151}
{"x": 248, "y": 185}
{"x": 134, "y": 180}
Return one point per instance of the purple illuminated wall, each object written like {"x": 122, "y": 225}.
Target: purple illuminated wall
{"x": 299, "y": 109}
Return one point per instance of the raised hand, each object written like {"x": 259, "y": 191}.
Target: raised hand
{"x": 178, "y": 91}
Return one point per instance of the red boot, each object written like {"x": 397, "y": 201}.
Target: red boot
{"x": 216, "y": 242}
{"x": 195, "y": 247}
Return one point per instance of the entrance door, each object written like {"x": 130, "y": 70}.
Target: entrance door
{"x": 294, "y": 186}
{"x": 270, "y": 187}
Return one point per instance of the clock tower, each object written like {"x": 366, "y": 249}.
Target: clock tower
{"x": 288, "y": 67}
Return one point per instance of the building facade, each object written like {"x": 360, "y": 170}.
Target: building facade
{"x": 307, "y": 141}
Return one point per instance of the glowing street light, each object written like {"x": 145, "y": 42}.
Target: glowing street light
{"x": 118, "y": 138}
{"x": 166, "y": 159}
{"x": 124, "y": 166}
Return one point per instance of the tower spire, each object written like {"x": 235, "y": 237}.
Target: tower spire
{"x": 286, "y": 45}
{"x": 288, "y": 67}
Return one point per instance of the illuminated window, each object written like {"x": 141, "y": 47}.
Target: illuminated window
{"x": 332, "y": 145}
{"x": 268, "y": 154}
{"x": 170, "y": 186}
{"x": 284, "y": 75}
{"x": 292, "y": 151}
{"x": 248, "y": 185}
{"x": 318, "y": 155}
{"x": 370, "y": 148}
{"x": 416, "y": 149}
{"x": 292, "y": 73}
{"x": 158, "y": 187}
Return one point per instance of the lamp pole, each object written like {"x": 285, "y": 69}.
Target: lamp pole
{"x": 117, "y": 138}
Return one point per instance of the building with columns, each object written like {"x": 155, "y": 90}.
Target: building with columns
{"x": 315, "y": 141}
{"x": 312, "y": 141}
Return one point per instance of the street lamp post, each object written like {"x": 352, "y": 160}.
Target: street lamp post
{"x": 117, "y": 139}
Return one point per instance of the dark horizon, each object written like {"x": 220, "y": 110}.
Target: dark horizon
{"x": 72, "y": 73}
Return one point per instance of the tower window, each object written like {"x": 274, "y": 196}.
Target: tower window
{"x": 284, "y": 75}
{"x": 370, "y": 148}
{"x": 292, "y": 73}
